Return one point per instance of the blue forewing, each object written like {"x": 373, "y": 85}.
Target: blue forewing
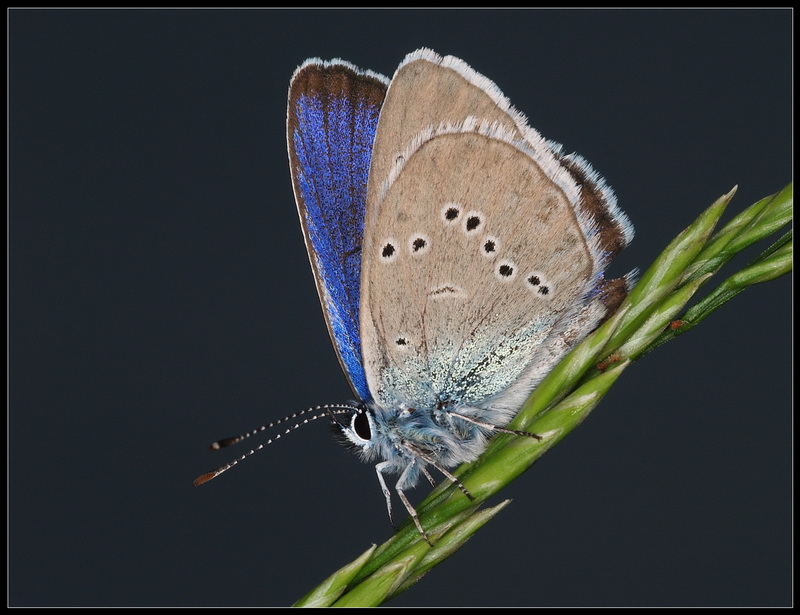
{"x": 332, "y": 117}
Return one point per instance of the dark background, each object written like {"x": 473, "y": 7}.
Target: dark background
{"x": 161, "y": 298}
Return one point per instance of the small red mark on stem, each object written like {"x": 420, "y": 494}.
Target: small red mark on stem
{"x": 610, "y": 360}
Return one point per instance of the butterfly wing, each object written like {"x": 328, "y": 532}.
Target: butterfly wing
{"x": 484, "y": 245}
{"x": 428, "y": 90}
{"x": 332, "y": 116}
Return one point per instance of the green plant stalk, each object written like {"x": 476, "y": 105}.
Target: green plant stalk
{"x": 327, "y": 592}
{"x": 665, "y": 273}
{"x": 409, "y": 565}
{"x": 375, "y": 588}
{"x": 660, "y": 318}
{"x": 754, "y": 223}
{"x": 570, "y": 392}
{"x": 450, "y": 542}
{"x": 773, "y": 263}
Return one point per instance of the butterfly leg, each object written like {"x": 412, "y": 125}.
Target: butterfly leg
{"x": 439, "y": 467}
{"x": 379, "y": 468}
{"x": 428, "y": 476}
{"x": 513, "y": 432}
{"x": 403, "y": 483}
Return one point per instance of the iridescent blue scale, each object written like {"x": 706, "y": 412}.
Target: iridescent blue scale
{"x": 331, "y": 131}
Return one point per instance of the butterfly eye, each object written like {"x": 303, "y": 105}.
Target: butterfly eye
{"x": 361, "y": 427}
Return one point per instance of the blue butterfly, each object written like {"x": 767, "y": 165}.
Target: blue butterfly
{"x": 457, "y": 254}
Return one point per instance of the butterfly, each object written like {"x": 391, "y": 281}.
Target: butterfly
{"x": 458, "y": 256}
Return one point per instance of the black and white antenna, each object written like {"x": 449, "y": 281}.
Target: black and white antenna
{"x": 329, "y": 410}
